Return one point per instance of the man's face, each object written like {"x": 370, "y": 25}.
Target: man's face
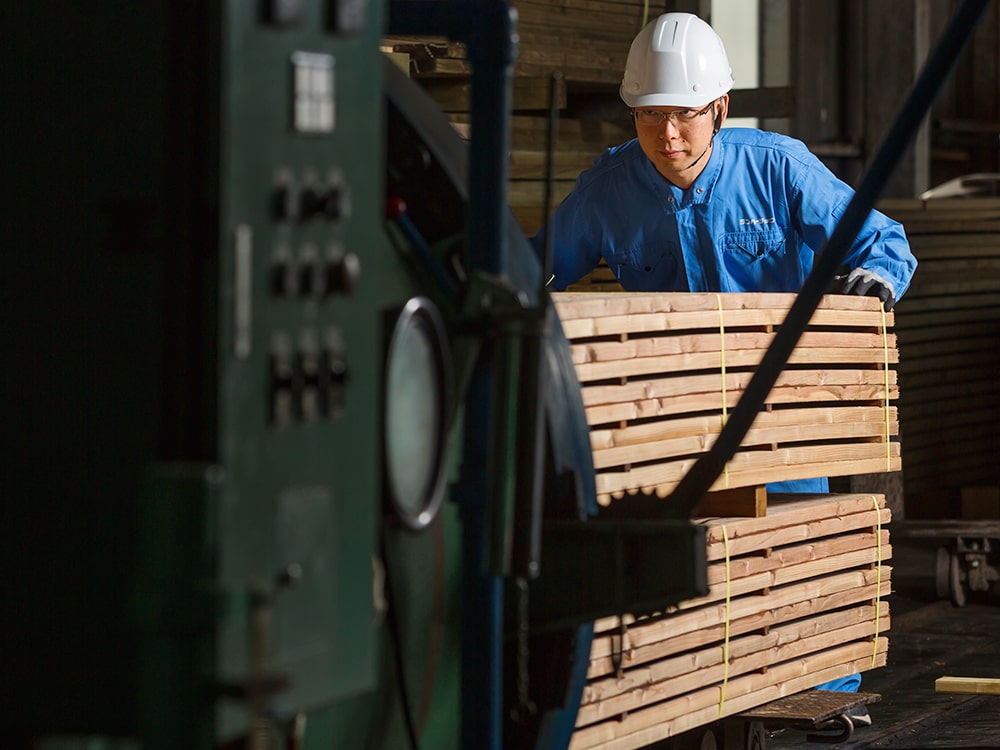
{"x": 676, "y": 139}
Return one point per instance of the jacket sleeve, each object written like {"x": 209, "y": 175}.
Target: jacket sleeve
{"x": 880, "y": 246}
{"x": 575, "y": 244}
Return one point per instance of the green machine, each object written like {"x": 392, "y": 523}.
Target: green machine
{"x": 278, "y": 440}
{"x": 201, "y": 517}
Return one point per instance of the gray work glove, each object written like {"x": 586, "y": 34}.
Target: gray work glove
{"x": 866, "y": 283}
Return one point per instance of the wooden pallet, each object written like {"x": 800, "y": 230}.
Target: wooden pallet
{"x": 659, "y": 373}
{"x": 795, "y": 599}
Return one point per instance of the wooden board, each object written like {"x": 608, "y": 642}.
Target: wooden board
{"x": 651, "y": 640}
{"x": 968, "y": 685}
{"x": 659, "y": 373}
{"x": 796, "y": 598}
{"x": 737, "y": 502}
{"x": 645, "y": 726}
{"x": 635, "y": 688}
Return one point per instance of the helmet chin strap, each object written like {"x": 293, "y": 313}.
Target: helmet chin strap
{"x": 689, "y": 166}
{"x": 715, "y": 129}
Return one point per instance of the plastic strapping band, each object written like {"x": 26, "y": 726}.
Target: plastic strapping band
{"x": 725, "y": 643}
{"x": 885, "y": 377}
{"x": 878, "y": 574}
{"x": 722, "y": 355}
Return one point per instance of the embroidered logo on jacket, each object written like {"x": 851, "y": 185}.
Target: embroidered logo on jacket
{"x": 745, "y": 222}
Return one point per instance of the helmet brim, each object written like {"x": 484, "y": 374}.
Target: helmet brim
{"x": 693, "y": 101}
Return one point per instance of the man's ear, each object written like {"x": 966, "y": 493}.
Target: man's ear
{"x": 722, "y": 112}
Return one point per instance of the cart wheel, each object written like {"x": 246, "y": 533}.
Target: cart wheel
{"x": 942, "y": 577}
{"x": 698, "y": 739}
{"x": 708, "y": 741}
{"x": 756, "y": 736}
{"x": 957, "y": 582}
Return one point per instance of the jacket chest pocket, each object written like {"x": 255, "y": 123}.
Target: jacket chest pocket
{"x": 758, "y": 261}
{"x": 646, "y": 269}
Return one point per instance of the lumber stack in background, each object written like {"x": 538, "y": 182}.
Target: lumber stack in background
{"x": 795, "y": 599}
{"x": 948, "y": 329}
{"x": 659, "y": 372}
{"x": 578, "y": 143}
{"x": 586, "y": 43}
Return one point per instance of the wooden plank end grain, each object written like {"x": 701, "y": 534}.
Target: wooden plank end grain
{"x": 738, "y": 502}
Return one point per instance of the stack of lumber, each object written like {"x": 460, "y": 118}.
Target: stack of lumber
{"x": 660, "y": 372}
{"x": 948, "y": 326}
{"x": 586, "y": 43}
{"x": 795, "y": 600}
{"x": 578, "y": 143}
{"x": 586, "y": 40}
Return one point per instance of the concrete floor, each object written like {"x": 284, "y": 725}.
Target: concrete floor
{"x": 930, "y": 638}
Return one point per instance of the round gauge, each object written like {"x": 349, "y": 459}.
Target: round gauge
{"x": 416, "y": 403}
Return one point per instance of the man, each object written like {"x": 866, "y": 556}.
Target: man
{"x": 687, "y": 206}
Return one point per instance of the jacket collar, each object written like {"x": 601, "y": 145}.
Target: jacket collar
{"x": 701, "y": 191}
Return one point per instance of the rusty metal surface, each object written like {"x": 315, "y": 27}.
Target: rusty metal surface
{"x": 811, "y": 706}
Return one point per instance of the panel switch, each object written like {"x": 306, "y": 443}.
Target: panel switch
{"x": 283, "y": 13}
{"x": 343, "y": 272}
{"x": 348, "y": 16}
{"x": 282, "y": 383}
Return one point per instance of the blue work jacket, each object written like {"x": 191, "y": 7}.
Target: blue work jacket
{"x": 753, "y": 221}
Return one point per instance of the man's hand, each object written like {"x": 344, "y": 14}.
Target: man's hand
{"x": 866, "y": 283}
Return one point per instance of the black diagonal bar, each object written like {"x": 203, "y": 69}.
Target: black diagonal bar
{"x": 703, "y": 474}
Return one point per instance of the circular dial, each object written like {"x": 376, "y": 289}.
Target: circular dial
{"x": 417, "y": 373}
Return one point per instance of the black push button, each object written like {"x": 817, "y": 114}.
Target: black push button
{"x": 283, "y": 13}
{"x": 282, "y": 387}
{"x": 343, "y": 272}
{"x": 322, "y": 203}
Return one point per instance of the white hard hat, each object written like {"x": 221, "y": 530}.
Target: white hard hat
{"x": 676, "y": 61}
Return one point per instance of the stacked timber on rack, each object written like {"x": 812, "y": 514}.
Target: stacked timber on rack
{"x": 578, "y": 143}
{"x": 948, "y": 327}
{"x": 660, "y": 371}
{"x": 795, "y": 599}
{"x": 586, "y": 43}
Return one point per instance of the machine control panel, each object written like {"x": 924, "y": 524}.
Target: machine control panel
{"x": 312, "y": 273}
{"x": 300, "y": 401}
{"x": 303, "y": 199}
{"x": 308, "y": 377}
